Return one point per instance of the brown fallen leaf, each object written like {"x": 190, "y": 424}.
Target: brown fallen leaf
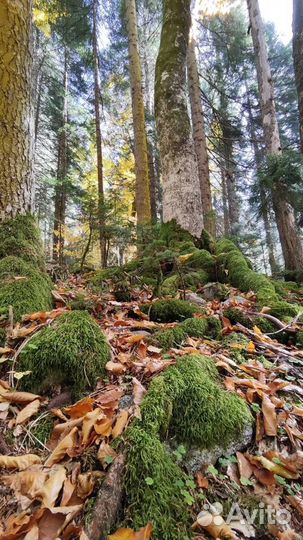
{"x": 86, "y": 483}
{"x": 19, "y": 462}
{"x": 270, "y": 416}
{"x": 20, "y": 397}
{"x": 296, "y": 502}
{"x": 129, "y": 534}
{"x": 217, "y": 529}
{"x": 52, "y": 487}
{"x": 28, "y": 411}
{"x": 79, "y": 409}
{"x": 27, "y": 482}
{"x": 138, "y": 391}
{"x": 120, "y": 424}
{"x": 89, "y": 421}
{"x": 275, "y": 468}
{"x": 106, "y": 451}
{"x": 202, "y": 482}
{"x": 6, "y": 350}
{"x": 61, "y": 450}
{"x": 115, "y": 367}
{"x": 245, "y": 468}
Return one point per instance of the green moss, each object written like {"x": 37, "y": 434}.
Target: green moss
{"x": 73, "y": 351}
{"x": 265, "y": 325}
{"x": 43, "y": 429}
{"x": 170, "y": 285}
{"x": 105, "y": 274}
{"x": 153, "y": 486}
{"x": 195, "y": 327}
{"x": 236, "y": 337}
{"x": 20, "y": 237}
{"x": 171, "y": 310}
{"x": 214, "y": 327}
{"x": 299, "y": 342}
{"x": 168, "y": 339}
{"x": 171, "y": 232}
{"x": 183, "y": 247}
{"x": 24, "y": 287}
{"x": 202, "y": 260}
{"x": 192, "y": 281}
{"x": 235, "y": 316}
{"x": 2, "y": 336}
{"x": 206, "y": 415}
{"x": 82, "y": 302}
{"x": 209, "y": 327}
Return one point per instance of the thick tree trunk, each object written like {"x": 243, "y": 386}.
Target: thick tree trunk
{"x": 97, "y": 103}
{"x": 229, "y": 178}
{"x": 62, "y": 171}
{"x": 265, "y": 210}
{"x": 227, "y": 227}
{"x": 288, "y": 232}
{"x": 153, "y": 183}
{"x": 199, "y": 135}
{"x": 16, "y": 118}
{"x": 143, "y": 207}
{"x": 297, "y": 47}
{"x": 181, "y": 187}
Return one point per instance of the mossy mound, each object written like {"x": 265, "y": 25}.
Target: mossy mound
{"x": 193, "y": 327}
{"x": 202, "y": 260}
{"x": 72, "y": 352}
{"x": 192, "y": 280}
{"x": 186, "y": 403}
{"x": 20, "y": 237}
{"x": 101, "y": 276}
{"x": 154, "y": 485}
{"x": 240, "y": 275}
{"x": 170, "y": 310}
{"x": 23, "y": 287}
{"x": 235, "y": 316}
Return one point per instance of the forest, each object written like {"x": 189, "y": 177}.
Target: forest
{"x": 151, "y": 270}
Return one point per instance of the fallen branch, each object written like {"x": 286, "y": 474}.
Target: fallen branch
{"x": 108, "y": 502}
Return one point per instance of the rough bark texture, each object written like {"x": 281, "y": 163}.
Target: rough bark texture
{"x": 153, "y": 183}
{"x": 108, "y": 502}
{"x": 97, "y": 103}
{"x": 199, "y": 135}
{"x": 297, "y": 47}
{"x": 16, "y": 119}
{"x": 62, "y": 171}
{"x": 288, "y": 232}
{"x": 181, "y": 187}
{"x": 143, "y": 207}
{"x": 229, "y": 176}
{"x": 225, "y": 202}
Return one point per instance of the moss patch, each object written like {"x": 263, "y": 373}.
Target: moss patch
{"x": 235, "y": 316}
{"x": 73, "y": 352}
{"x": 193, "y": 327}
{"x": 192, "y": 280}
{"x": 170, "y": 310}
{"x": 202, "y": 260}
{"x": 20, "y": 237}
{"x": 24, "y": 287}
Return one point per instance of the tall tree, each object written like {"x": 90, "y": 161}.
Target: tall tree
{"x": 62, "y": 171}
{"x": 143, "y": 206}
{"x": 97, "y": 104}
{"x": 288, "y": 232}
{"x": 181, "y": 187}
{"x": 199, "y": 136}
{"x": 297, "y": 44}
{"x": 16, "y": 126}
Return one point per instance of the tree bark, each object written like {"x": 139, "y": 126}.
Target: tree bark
{"x": 62, "y": 171}
{"x": 16, "y": 111}
{"x": 97, "y": 103}
{"x": 143, "y": 207}
{"x": 288, "y": 232}
{"x": 226, "y": 218}
{"x": 199, "y": 136}
{"x": 229, "y": 177}
{"x": 181, "y": 187}
{"x": 297, "y": 47}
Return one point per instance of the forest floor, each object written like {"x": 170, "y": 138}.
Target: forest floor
{"x": 54, "y": 455}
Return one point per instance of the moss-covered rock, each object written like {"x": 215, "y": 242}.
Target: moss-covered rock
{"x": 100, "y": 276}
{"x": 193, "y": 327}
{"x": 202, "y": 260}
{"x": 73, "y": 351}
{"x": 235, "y": 316}
{"x": 23, "y": 287}
{"x": 191, "y": 280}
{"x": 170, "y": 285}
{"x": 20, "y": 237}
{"x": 170, "y": 310}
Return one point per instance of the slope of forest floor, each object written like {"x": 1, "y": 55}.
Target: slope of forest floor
{"x": 55, "y": 455}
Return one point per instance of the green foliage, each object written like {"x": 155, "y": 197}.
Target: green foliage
{"x": 171, "y": 310}
{"x": 202, "y": 260}
{"x": 191, "y": 280}
{"x": 73, "y": 352}
{"x": 23, "y": 287}
{"x": 265, "y": 325}
{"x": 193, "y": 327}
{"x": 20, "y": 237}
{"x": 153, "y": 486}
{"x": 170, "y": 285}
{"x": 43, "y": 429}
{"x": 235, "y": 316}
{"x": 167, "y": 339}
{"x": 99, "y": 277}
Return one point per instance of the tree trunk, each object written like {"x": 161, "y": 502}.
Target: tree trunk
{"x": 62, "y": 171}
{"x": 143, "y": 207}
{"x": 153, "y": 183}
{"x": 225, "y": 202}
{"x": 181, "y": 187}
{"x": 16, "y": 111}
{"x": 199, "y": 135}
{"x": 229, "y": 178}
{"x": 97, "y": 103}
{"x": 265, "y": 209}
{"x": 288, "y": 232}
{"x": 297, "y": 47}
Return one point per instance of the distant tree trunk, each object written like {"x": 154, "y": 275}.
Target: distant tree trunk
{"x": 16, "y": 118}
{"x": 226, "y": 219}
{"x": 229, "y": 178}
{"x": 143, "y": 207}
{"x": 62, "y": 171}
{"x": 97, "y": 103}
{"x": 288, "y": 232}
{"x": 181, "y": 187}
{"x": 265, "y": 210}
{"x": 199, "y": 135}
{"x": 297, "y": 46}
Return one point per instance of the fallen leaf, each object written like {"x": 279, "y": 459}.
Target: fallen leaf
{"x": 89, "y": 421}
{"x": 28, "y": 411}
{"x": 275, "y": 468}
{"x": 138, "y": 391}
{"x": 52, "y": 487}
{"x": 80, "y": 408}
{"x": 214, "y": 525}
{"x": 129, "y": 534}
{"x": 106, "y": 451}
{"x": 19, "y": 462}
{"x": 6, "y": 350}
{"x": 202, "y": 482}
{"x": 115, "y": 367}
{"x": 245, "y": 468}
{"x": 86, "y": 483}
{"x": 120, "y": 424}
{"x": 270, "y": 416}
{"x": 60, "y": 451}
{"x": 20, "y": 397}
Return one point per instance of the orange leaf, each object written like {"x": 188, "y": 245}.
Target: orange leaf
{"x": 129, "y": 534}
{"x": 19, "y": 462}
{"x": 115, "y": 367}
{"x": 105, "y": 451}
{"x": 80, "y": 408}
{"x": 202, "y": 481}
{"x": 28, "y": 411}
{"x": 270, "y": 416}
{"x": 89, "y": 421}
{"x": 60, "y": 451}
{"x": 52, "y": 487}
{"x": 120, "y": 424}
{"x": 6, "y": 350}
